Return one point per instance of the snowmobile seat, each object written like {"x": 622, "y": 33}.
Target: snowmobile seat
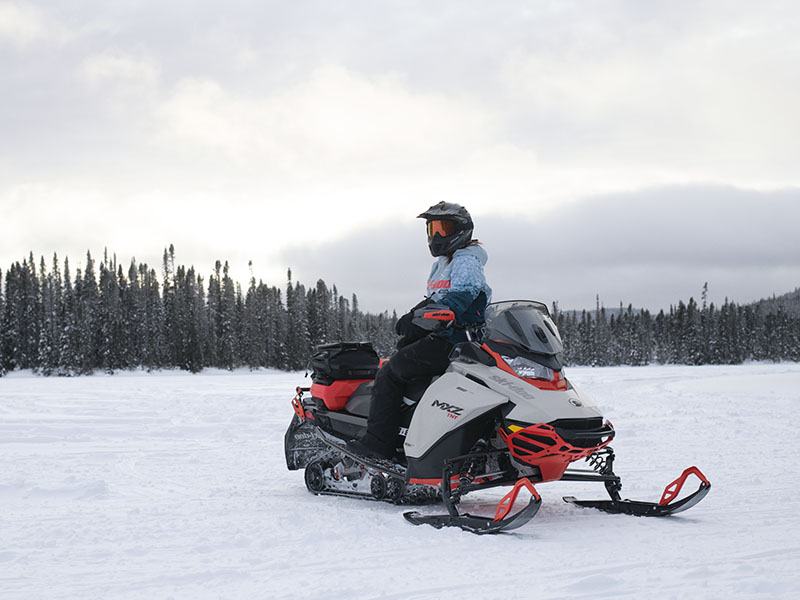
{"x": 337, "y": 394}
{"x": 359, "y": 402}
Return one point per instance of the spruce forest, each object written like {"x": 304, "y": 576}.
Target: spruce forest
{"x": 688, "y": 333}
{"x": 108, "y": 318}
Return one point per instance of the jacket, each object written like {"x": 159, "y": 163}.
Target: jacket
{"x": 460, "y": 284}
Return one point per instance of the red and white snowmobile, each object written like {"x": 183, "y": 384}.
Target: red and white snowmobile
{"x": 503, "y": 414}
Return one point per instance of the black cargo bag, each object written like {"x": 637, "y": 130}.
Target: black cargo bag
{"x": 344, "y": 360}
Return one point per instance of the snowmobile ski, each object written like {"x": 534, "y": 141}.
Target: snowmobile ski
{"x": 663, "y": 508}
{"x": 485, "y": 525}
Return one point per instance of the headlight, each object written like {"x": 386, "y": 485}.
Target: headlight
{"x": 527, "y": 368}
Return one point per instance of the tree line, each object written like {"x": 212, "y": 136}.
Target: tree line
{"x": 687, "y": 333}
{"x": 107, "y": 317}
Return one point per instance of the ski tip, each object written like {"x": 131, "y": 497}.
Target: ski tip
{"x": 412, "y": 516}
{"x": 438, "y": 521}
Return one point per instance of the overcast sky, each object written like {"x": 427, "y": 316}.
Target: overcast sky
{"x": 630, "y": 149}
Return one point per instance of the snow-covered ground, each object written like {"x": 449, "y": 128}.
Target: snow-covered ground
{"x": 174, "y": 485}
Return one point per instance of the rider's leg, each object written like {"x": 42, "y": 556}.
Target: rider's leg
{"x": 426, "y": 357}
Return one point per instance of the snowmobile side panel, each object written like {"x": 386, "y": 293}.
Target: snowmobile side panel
{"x": 457, "y": 442}
{"x": 450, "y": 401}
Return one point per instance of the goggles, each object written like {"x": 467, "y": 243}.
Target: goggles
{"x": 442, "y": 227}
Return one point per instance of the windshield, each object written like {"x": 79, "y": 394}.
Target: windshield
{"x": 523, "y": 323}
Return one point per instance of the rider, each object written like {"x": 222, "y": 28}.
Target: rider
{"x": 456, "y": 281}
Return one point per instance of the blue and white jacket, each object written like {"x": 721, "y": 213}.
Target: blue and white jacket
{"x": 461, "y": 284}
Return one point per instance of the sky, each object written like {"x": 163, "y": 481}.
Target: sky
{"x": 628, "y": 150}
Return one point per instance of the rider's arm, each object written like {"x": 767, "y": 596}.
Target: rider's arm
{"x": 466, "y": 282}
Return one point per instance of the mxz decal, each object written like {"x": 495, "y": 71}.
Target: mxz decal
{"x": 452, "y": 410}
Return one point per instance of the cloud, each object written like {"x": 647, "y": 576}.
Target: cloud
{"x": 652, "y": 247}
{"x": 342, "y": 143}
{"x": 706, "y": 101}
{"x": 118, "y": 69}
{"x": 335, "y": 117}
{"x": 22, "y": 24}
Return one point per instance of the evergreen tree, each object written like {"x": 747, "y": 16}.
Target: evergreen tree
{"x": 9, "y": 329}
{"x": 88, "y": 319}
{"x": 68, "y": 347}
{"x": 49, "y": 330}
{"x": 194, "y": 321}
{"x": 298, "y": 343}
{"x": 153, "y": 329}
{"x": 213, "y": 309}
{"x": 278, "y": 347}
{"x": 133, "y": 316}
{"x": 3, "y": 366}
{"x": 228, "y": 322}
{"x": 32, "y": 315}
{"x": 109, "y": 345}
{"x": 172, "y": 333}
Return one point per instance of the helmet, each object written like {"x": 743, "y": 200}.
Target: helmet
{"x": 449, "y": 227}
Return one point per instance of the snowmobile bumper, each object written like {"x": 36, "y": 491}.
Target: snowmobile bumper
{"x": 552, "y": 449}
{"x": 664, "y": 507}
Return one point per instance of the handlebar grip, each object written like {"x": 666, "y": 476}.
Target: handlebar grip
{"x": 440, "y": 315}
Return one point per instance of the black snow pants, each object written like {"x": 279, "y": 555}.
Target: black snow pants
{"x": 424, "y": 358}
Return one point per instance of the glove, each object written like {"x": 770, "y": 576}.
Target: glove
{"x": 403, "y": 326}
{"x": 403, "y": 323}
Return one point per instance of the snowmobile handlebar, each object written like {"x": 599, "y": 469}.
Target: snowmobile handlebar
{"x": 433, "y": 317}
{"x": 440, "y": 315}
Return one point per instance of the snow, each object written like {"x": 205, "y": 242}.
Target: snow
{"x": 174, "y": 485}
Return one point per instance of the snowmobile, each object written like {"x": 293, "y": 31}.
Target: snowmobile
{"x": 503, "y": 414}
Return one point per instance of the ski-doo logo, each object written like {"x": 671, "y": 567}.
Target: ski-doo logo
{"x": 575, "y": 402}
{"x": 514, "y": 387}
{"x": 452, "y": 411}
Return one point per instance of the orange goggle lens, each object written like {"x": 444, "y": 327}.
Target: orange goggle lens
{"x": 443, "y": 228}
